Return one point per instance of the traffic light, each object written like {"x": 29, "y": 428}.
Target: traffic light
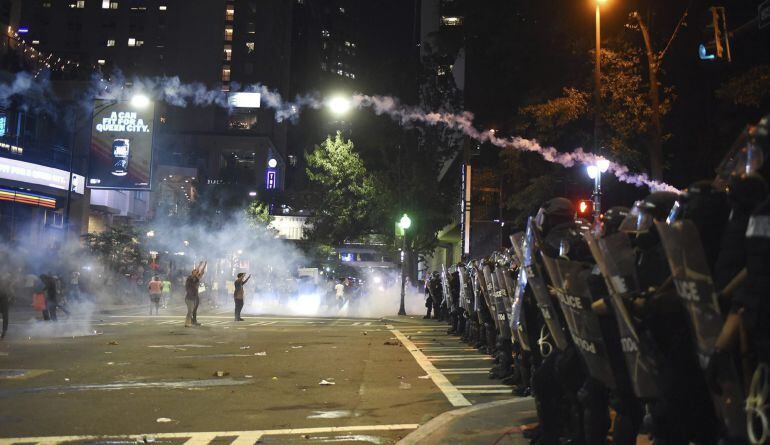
{"x": 585, "y": 207}
{"x": 716, "y": 29}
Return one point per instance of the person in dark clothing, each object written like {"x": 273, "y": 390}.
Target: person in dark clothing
{"x": 49, "y": 290}
{"x": 5, "y": 301}
{"x": 191, "y": 299}
{"x": 238, "y": 294}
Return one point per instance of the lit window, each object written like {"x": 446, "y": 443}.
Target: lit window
{"x": 347, "y": 43}
{"x": 80, "y": 4}
{"x": 163, "y": 7}
{"x": 342, "y": 10}
{"x": 101, "y": 61}
{"x": 105, "y": 4}
{"x": 228, "y": 33}
{"x": 451, "y": 21}
{"x": 225, "y": 87}
{"x": 36, "y": 42}
{"x": 131, "y": 41}
{"x": 46, "y": 4}
{"x": 113, "y": 5}
{"x": 323, "y": 66}
{"x": 228, "y": 52}
{"x": 325, "y": 33}
{"x": 230, "y": 13}
{"x": 250, "y": 47}
{"x": 226, "y": 74}
{"x": 111, "y": 42}
{"x": 352, "y": 76}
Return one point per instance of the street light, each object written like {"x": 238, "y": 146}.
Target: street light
{"x": 598, "y": 72}
{"x": 404, "y": 224}
{"x": 594, "y": 171}
{"x": 140, "y": 101}
{"x": 339, "y": 105}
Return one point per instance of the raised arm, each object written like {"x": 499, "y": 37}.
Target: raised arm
{"x": 247, "y": 279}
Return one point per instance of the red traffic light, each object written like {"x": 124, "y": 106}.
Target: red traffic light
{"x": 585, "y": 207}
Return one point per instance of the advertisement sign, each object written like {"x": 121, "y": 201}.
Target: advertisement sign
{"x": 29, "y": 173}
{"x": 121, "y": 146}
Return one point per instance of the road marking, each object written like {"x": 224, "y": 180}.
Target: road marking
{"x": 448, "y": 348}
{"x": 462, "y": 387}
{"x": 242, "y": 437}
{"x": 450, "y": 392}
{"x": 456, "y": 358}
{"x": 368, "y": 323}
{"x": 356, "y": 323}
{"x": 486, "y": 391}
{"x": 472, "y": 371}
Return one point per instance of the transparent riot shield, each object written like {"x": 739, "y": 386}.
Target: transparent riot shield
{"x": 539, "y": 289}
{"x": 518, "y": 321}
{"x": 617, "y": 262}
{"x": 570, "y": 283}
{"x": 485, "y": 281}
{"x": 502, "y": 302}
{"x": 466, "y": 291}
{"x": 446, "y": 289}
{"x": 695, "y": 287}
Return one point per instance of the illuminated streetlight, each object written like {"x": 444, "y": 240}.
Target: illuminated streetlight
{"x": 140, "y": 101}
{"x": 404, "y": 223}
{"x": 594, "y": 171}
{"x": 339, "y": 105}
{"x": 252, "y": 194}
{"x": 272, "y": 163}
{"x": 151, "y": 233}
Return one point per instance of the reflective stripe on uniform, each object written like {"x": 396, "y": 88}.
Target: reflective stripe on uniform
{"x": 758, "y": 227}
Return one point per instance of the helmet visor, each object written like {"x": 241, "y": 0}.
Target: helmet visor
{"x": 637, "y": 221}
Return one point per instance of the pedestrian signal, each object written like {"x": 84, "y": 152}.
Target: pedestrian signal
{"x": 585, "y": 207}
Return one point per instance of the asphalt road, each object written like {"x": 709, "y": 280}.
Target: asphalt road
{"x": 226, "y": 382}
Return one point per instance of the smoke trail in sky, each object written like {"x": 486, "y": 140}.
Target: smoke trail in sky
{"x": 181, "y": 94}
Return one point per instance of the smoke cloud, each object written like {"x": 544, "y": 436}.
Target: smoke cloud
{"x": 177, "y": 93}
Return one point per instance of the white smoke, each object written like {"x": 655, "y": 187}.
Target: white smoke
{"x": 175, "y": 92}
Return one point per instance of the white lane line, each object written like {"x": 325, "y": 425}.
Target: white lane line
{"x": 487, "y": 391}
{"x": 198, "y": 438}
{"x": 448, "y": 348}
{"x": 356, "y": 323}
{"x": 368, "y": 323}
{"x": 450, "y": 392}
{"x": 252, "y": 316}
{"x": 247, "y": 439}
{"x": 485, "y": 371}
{"x": 462, "y": 387}
{"x": 457, "y": 359}
{"x": 465, "y": 356}
{"x": 172, "y": 322}
{"x": 462, "y": 369}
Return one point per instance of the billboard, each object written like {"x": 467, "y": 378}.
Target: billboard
{"x": 121, "y": 146}
{"x": 29, "y": 173}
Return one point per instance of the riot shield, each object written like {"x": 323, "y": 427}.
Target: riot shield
{"x": 498, "y": 296}
{"x": 485, "y": 283}
{"x": 466, "y": 293}
{"x": 539, "y": 289}
{"x": 447, "y": 298}
{"x": 518, "y": 321}
{"x": 502, "y": 302}
{"x": 694, "y": 284}
{"x": 617, "y": 262}
{"x": 570, "y": 283}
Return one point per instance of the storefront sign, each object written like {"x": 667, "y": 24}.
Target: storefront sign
{"x": 29, "y": 173}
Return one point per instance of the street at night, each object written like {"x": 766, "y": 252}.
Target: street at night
{"x": 138, "y": 371}
{"x": 389, "y": 222}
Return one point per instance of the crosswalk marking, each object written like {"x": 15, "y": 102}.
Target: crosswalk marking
{"x": 204, "y": 438}
{"x": 458, "y": 357}
{"x": 486, "y": 391}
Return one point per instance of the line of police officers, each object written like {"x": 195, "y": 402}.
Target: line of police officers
{"x": 659, "y": 313}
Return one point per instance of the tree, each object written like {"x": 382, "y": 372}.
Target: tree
{"x": 346, "y": 192}
{"x": 118, "y": 247}
{"x": 258, "y": 213}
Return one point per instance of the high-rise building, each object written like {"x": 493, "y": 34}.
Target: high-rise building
{"x": 224, "y": 45}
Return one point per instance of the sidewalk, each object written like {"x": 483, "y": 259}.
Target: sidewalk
{"x": 499, "y": 422}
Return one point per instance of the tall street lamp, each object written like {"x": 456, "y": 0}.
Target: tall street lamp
{"x": 403, "y": 224}
{"x": 594, "y": 172}
{"x": 598, "y": 73}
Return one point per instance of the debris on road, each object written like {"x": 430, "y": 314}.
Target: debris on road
{"x": 391, "y": 343}
{"x": 263, "y": 353}
{"x": 424, "y": 377}
{"x": 66, "y": 379}
{"x": 110, "y": 363}
{"x": 365, "y": 333}
{"x": 275, "y": 378}
{"x": 221, "y": 374}
{"x": 249, "y": 376}
{"x": 163, "y": 420}
{"x": 113, "y": 342}
{"x": 296, "y": 347}
{"x": 245, "y": 347}
{"x": 325, "y": 382}
{"x": 404, "y": 385}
